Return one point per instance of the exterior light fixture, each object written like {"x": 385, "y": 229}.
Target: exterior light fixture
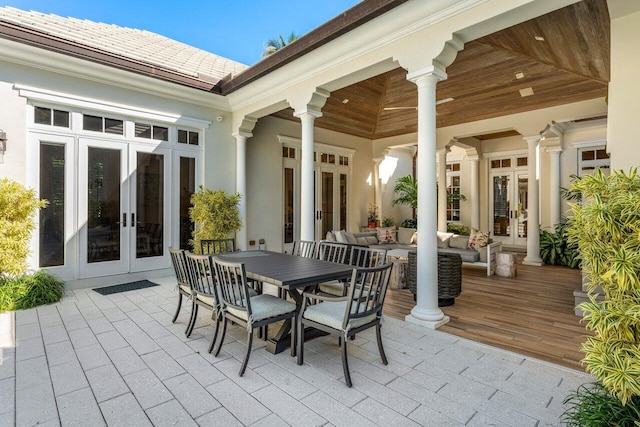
{"x": 3, "y": 144}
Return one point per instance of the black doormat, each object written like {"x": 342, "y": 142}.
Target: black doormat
{"x": 131, "y": 286}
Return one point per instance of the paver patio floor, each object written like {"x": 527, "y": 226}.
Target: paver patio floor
{"x": 118, "y": 360}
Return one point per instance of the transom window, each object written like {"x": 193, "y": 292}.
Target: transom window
{"x": 51, "y": 117}
{"x": 288, "y": 152}
{"x": 188, "y": 137}
{"x": 102, "y": 124}
{"x": 144, "y": 130}
{"x": 591, "y": 158}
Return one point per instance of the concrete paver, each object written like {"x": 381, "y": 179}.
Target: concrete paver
{"x": 118, "y": 360}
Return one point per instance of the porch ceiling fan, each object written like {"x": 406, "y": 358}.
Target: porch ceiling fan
{"x": 442, "y": 101}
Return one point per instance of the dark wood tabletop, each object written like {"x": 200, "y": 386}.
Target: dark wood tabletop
{"x": 287, "y": 271}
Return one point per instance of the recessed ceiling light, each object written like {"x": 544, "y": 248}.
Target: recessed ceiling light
{"x": 539, "y": 38}
{"x": 344, "y": 101}
{"x": 527, "y": 91}
{"x": 519, "y": 75}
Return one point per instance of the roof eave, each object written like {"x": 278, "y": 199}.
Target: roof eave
{"x": 347, "y": 21}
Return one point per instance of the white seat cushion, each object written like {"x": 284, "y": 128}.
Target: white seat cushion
{"x": 332, "y": 288}
{"x": 265, "y": 306}
{"x": 209, "y": 299}
{"x": 332, "y": 315}
{"x": 185, "y": 289}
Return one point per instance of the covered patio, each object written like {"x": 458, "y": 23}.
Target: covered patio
{"x": 118, "y": 360}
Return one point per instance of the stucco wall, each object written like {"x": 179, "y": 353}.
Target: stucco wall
{"x": 624, "y": 92}
{"x": 264, "y": 178}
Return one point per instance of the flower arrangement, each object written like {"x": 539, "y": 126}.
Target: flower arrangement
{"x": 372, "y": 215}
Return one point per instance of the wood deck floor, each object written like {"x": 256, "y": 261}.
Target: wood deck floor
{"x": 531, "y": 314}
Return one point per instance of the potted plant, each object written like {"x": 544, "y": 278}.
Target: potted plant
{"x": 388, "y": 222}
{"x": 215, "y": 214}
{"x": 372, "y": 215}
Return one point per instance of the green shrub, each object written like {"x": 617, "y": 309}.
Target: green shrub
{"x": 592, "y": 405}
{"x": 410, "y": 223}
{"x": 606, "y": 228}
{"x": 556, "y": 249}
{"x": 216, "y": 215}
{"x": 18, "y": 206}
{"x": 458, "y": 229}
{"x": 29, "y": 290}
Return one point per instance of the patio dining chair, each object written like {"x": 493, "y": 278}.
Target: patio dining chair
{"x": 240, "y": 307}
{"x": 332, "y": 252}
{"x": 359, "y": 257}
{"x": 304, "y": 248}
{"x": 217, "y": 246}
{"x": 346, "y": 316}
{"x": 204, "y": 291}
{"x": 183, "y": 280}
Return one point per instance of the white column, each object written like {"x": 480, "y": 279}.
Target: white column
{"x": 554, "y": 193}
{"x": 441, "y": 154}
{"x": 241, "y": 185}
{"x": 377, "y": 185}
{"x": 307, "y": 210}
{"x": 533, "y": 202}
{"x": 426, "y": 311}
{"x": 475, "y": 191}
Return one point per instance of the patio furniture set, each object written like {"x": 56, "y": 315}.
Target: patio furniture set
{"x": 326, "y": 294}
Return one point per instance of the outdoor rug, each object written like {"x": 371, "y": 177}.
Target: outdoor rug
{"x": 131, "y": 286}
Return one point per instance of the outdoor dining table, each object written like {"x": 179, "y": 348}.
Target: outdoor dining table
{"x": 293, "y": 273}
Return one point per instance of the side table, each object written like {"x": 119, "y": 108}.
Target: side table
{"x": 400, "y": 259}
{"x": 506, "y": 264}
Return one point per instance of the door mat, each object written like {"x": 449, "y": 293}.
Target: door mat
{"x": 131, "y": 286}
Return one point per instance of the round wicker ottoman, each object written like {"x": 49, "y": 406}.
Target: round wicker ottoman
{"x": 449, "y": 277}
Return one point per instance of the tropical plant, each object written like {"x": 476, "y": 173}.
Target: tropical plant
{"x": 216, "y": 215}
{"x": 410, "y": 223}
{"x": 18, "y": 205}
{"x": 274, "y": 45}
{"x": 555, "y": 248}
{"x": 29, "y": 290}
{"x": 593, "y": 405}
{"x": 372, "y": 213}
{"x": 388, "y": 222}
{"x": 406, "y": 190}
{"x": 606, "y": 229}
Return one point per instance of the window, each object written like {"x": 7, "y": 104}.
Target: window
{"x": 327, "y": 158}
{"x": 592, "y": 158}
{"x": 144, "y": 130}
{"x": 500, "y": 163}
{"x": 188, "y": 137}
{"x": 51, "y": 117}
{"x": 288, "y": 152}
{"x": 344, "y": 161}
{"x": 102, "y": 124}
{"x": 453, "y": 192}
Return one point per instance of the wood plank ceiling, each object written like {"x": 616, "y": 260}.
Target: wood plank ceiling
{"x": 562, "y": 56}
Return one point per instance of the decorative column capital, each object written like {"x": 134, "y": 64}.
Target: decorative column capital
{"x": 532, "y": 140}
{"x": 240, "y": 135}
{"x": 443, "y": 150}
{"x": 306, "y": 112}
{"x": 554, "y": 151}
{"x": 427, "y": 75}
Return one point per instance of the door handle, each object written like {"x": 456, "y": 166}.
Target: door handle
{"x": 124, "y": 220}
{"x": 133, "y": 219}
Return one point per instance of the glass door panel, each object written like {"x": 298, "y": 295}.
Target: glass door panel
{"x": 343, "y": 201}
{"x": 327, "y": 202}
{"x": 289, "y": 192}
{"x": 149, "y": 220}
{"x": 104, "y": 205}
{"x": 187, "y": 183}
{"x": 52, "y": 219}
{"x": 501, "y": 206}
{"x": 520, "y": 215}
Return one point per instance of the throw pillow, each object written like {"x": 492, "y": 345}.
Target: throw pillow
{"x": 330, "y": 237}
{"x": 386, "y": 235}
{"x": 414, "y": 238}
{"x": 405, "y": 234}
{"x": 478, "y": 239}
{"x": 340, "y": 238}
{"x": 443, "y": 239}
{"x": 371, "y": 240}
{"x": 459, "y": 242}
{"x": 362, "y": 241}
{"x": 351, "y": 239}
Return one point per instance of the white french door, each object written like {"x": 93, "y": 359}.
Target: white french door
{"x": 509, "y": 191}
{"x": 124, "y": 200}
{"x": 330, "y": 200}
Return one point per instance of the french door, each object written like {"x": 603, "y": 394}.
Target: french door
{"x": 124, "y": 201}
{"x": 330, "y": 200}
{"x": 509, "y": 193}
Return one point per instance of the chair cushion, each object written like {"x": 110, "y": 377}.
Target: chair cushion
{"x": 467, "y": 255}
{"x": 459, "y": 242}
{"x": 209, "y": 300}
{"x": 265, "y": 306}
{"x": 332, "y": 288}
{"x": 186, "y": 289}
{"x": 332, "y": 315}
{"x": 443, "y": 239}
{"x": 405, "y": 235}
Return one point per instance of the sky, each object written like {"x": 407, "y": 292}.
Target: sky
{"x": 234, "y": 29}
